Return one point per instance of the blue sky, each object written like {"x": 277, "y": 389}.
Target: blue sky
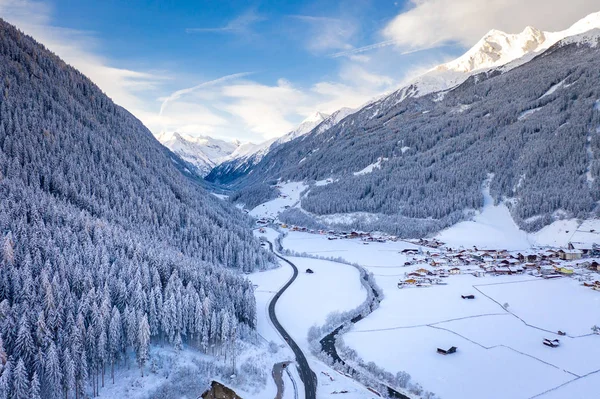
{"x": 252, "y": 70}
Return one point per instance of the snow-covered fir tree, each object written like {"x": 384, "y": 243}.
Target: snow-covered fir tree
{"x": 105, "y": 245}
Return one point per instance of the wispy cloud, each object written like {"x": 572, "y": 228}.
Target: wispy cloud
{"x": 313, "y": 18}
{"x": 363, "y": 49}
{"x": 241, "y": 24}
{"x": 327, "y": 33}
{"x": 465, "y": 21}
{"x": 177, "y": 94}
{"x": 386, "y": 43}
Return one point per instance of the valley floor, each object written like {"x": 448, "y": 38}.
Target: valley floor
{"x": 499, "y": 334}
{"x": 307, "y": 302}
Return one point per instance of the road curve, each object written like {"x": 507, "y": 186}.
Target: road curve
{"x": 308, "y": 377}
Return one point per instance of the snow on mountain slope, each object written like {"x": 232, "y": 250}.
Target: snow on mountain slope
{"x": 335, "y": 118}
{"x": 305, "y": 126}
{"x": 257, "y": 151}
{"x": 492, "y": 227}
{"x": 249, "y": 154}
{"x": 203, "y": 152}
{"x": 496, "y": 49}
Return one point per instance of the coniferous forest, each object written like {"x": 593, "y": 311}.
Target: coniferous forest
{"x": 541, "y": 145}
{"x": 105, "y": 246}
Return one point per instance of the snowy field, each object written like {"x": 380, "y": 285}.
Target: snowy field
{"x": 561, "y": 232}
{"x": 305, "y": 303}
{"x": 375, "y": 254}
{"x": 496, "y": 345}
{"x": 493, "y": 227}
{"x": 289, "y": 197}
{"x": 491, "y": 340}
{"x": 527, "y": 300}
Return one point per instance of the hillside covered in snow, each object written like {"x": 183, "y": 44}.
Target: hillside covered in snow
{"x": 106, "y": 247}
{"x": 526, "y": 110}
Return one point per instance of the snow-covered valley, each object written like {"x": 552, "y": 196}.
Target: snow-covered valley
{"x": 500, "y": 332}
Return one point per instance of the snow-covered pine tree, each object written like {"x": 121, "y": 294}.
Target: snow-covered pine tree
{"x": 143, "y": 342}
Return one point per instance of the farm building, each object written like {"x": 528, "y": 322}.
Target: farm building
{"x": 447, "y": 351}
{"x": 583, "y": 247}
{"x": 569, "y": 254}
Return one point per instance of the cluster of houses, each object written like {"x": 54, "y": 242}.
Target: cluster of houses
{"x": 339, "y": 235}
{"x": 577, "y": 260}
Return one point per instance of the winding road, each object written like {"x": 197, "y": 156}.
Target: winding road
{"x": 308, "y": 377}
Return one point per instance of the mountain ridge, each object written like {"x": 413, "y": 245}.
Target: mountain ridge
{"x": 556, "y": 93}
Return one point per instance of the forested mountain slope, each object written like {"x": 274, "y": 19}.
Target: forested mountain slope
{"x": 534, "y": 127}
{"x": 105, "y": 244}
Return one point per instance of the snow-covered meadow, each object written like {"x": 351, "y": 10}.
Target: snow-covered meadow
{"x": 495, "y": 345}
{"x": 289, "y": 197}
{"x": 307, "y": 302}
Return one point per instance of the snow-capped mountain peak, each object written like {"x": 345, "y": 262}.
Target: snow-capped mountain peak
{"x": 496, "y": 48}
{"x": 306, "y": 126}
{"x": 203, "y": 152}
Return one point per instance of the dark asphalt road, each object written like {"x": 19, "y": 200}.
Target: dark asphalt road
{"x": 308, "y": 377}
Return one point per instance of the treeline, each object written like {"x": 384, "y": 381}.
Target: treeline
{"x": 254, "y": 195}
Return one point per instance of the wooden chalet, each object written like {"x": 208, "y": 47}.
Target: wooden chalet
{"x": 569, "y": 254}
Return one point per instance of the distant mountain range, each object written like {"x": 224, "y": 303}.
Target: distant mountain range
{"x": 241, "y": 161}
{"x": 203, "y": 152}
{"x": 524, "y": 108}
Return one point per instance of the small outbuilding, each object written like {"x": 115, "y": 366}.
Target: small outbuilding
{"x": 309, "y": 271}
{"x": 448, "y": 351}
{"x": 551, "y": 343}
